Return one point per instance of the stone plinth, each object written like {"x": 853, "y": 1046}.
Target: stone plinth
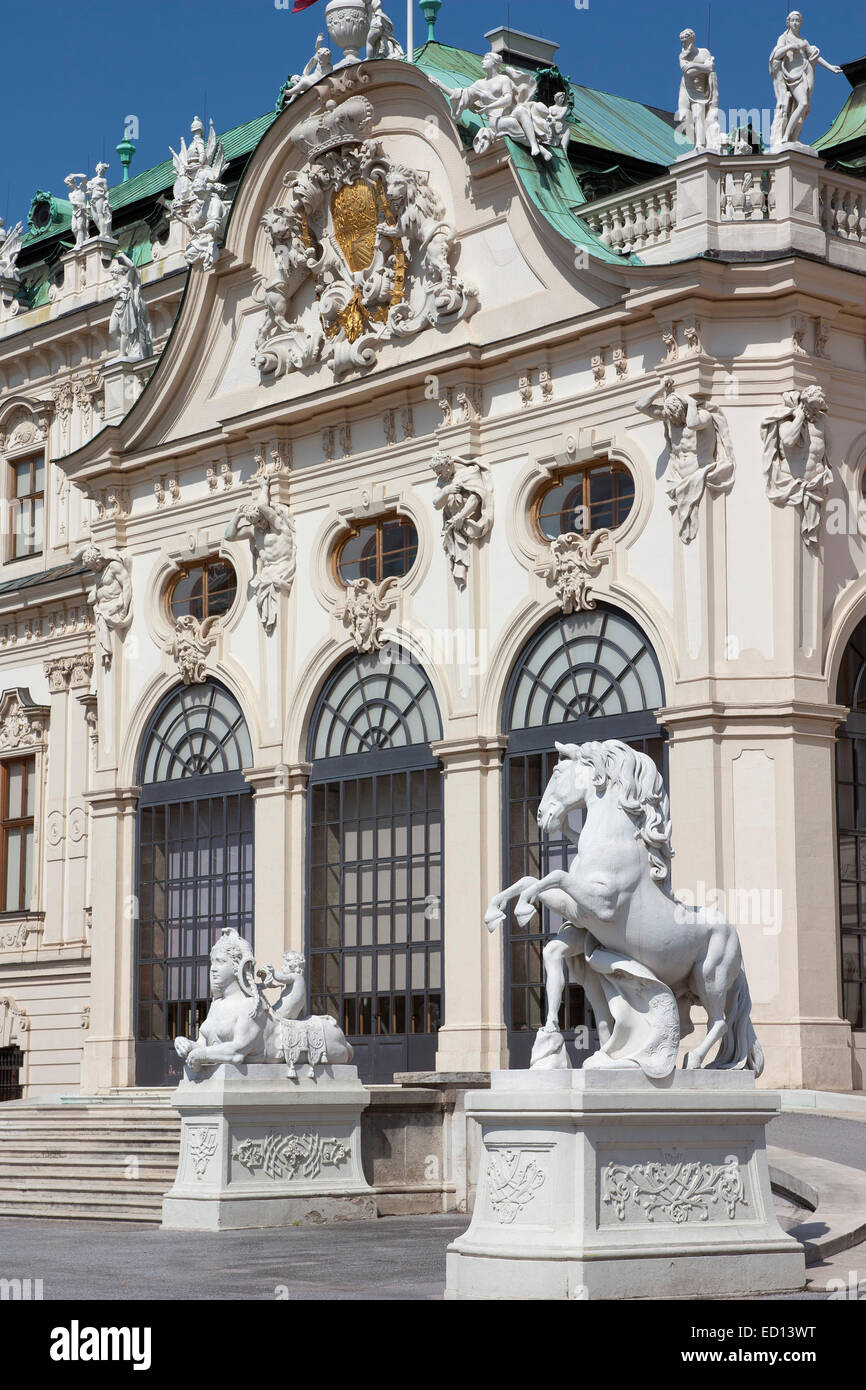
{"x": 124, "y": 382}
{"x": 605, "y": 1184}
{"x": 259, "y": 1150}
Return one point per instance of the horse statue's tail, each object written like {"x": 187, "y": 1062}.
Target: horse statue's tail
{"x": 740, "y": 1049}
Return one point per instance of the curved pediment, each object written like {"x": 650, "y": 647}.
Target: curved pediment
{"x": 364, "y": 239}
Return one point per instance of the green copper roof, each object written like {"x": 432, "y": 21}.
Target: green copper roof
{"x": 609, "y": 123}
{"x": 160, "y": 179}
{"x": 850, "y": 124}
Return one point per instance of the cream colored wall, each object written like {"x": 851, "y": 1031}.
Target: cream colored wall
{"x": 747, "y": 627}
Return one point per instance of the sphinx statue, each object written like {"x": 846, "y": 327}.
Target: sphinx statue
{"x": 242, "y": 1025}
{"x": 642, "y": 957}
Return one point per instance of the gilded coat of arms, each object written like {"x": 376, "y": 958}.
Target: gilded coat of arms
{"x": 362, "y": 250}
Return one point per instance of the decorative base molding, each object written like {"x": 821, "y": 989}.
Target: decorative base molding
{"x": 258, "y": 1150}
{"x": 610, "y": 1185}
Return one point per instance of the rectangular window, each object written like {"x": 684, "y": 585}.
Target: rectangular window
{"x": 17, "y": 811}
{"x": 27, "y": 507}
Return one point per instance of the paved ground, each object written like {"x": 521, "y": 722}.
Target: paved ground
{"x": 395, "y": 1258}
{"x": 822, "y": 1136}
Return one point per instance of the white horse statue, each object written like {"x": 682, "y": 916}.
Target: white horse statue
{"x": 642, "y": 957}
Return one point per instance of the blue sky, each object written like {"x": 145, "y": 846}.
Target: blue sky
{"x": 74, "y": 72}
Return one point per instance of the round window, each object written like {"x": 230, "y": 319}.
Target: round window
{"x": 204, "y": 588}
{"x": 378, "y": 550}
{"x": 596, "y": 496}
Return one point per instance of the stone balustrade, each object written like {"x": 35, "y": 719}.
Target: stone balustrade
{"x": 629, "y": 224}
{"x": 737, "y": 204}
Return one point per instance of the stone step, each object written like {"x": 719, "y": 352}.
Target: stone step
{"x": 109, "y": 1183}
{"x": 66, "y": 1160}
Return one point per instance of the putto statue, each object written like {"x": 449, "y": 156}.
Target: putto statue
{"x": 795, "y": 465}
{"x": 642, "y": 957}
{"x": 701, "y": 452}
{"x": 270, "y": 530}
{"x": 129, "y": 325}
{"x": 110, "y": 595}
{"x": 506, "y": 98}
{"x": 319, "y": 66}
{"x": 197, "y": 199}
{"x": 10, "y": 249}
{"x": 243, "y": 1026}
{"x": 792, "y": 67}
{"x": 465, "y": 500}
{"x": 97, "y": 192}
{"x": 698, "y": 105}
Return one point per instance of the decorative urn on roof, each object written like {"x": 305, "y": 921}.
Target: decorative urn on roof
{"x": 348, "y": 23}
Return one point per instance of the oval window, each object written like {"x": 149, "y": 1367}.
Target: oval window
{"x": 596, "y": 496}
{"x": 378, "y": 550}
{"x": 204, "y": 588}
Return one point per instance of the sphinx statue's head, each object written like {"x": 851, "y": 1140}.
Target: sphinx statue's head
{"x": 231, "y": 959}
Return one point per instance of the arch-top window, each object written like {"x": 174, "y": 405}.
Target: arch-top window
{"x": 377, "y": 550}
{"x": 594, "y": 496}
{"x": 204, "y": 588}
{"x": 374, "y": 868}
{"x": 580, "y": 677}
{"x": 381, "y": 701}
{"x": 195, "y": 872}
{"x": 199, "y": 731}
{"x": 851, "y": 827}
{"x": 584, "y": 666}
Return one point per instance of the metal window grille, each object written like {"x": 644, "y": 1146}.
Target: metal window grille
{"x": 374, "y": 863}
{"x": 11, "y": 1062}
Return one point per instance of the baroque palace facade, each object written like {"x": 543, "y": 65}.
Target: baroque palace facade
{"x": 355, "y": 459}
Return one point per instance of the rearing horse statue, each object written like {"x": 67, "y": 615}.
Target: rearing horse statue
{"x": 642, "y": 957}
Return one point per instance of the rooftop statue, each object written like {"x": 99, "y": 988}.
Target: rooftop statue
{"x": 701, "y": 452}
{"x": 506, "y": 97}
{"x": 243, "y": 1026}
{"x": 97, "y": 192}
{"x": 381, "y": 42}
{"x": 10, "y": 249}
{"x": 698, "y": 106}
{"x": 110, "y": 595}
{"x": 642, "y": 957}
{"x": 197, "y": 199}
{"x": 319, "y": 66}
{"x": 77, "y": 185}
{"x": 792, "y": 68}
{"x": 796, "y": 471}
{"x": 129, "y": 324}
{"x": 270, "y": 530}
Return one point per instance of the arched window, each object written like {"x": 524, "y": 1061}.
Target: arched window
{"x": 374, "y": 862}
{"x": 851, "y": 827}
{"x": 194, "y": 864}
{"x": 587, "y": 676}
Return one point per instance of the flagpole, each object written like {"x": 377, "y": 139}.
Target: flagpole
{"x": 410, "y": 30}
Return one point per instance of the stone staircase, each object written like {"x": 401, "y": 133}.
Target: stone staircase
{"x": 92, "y": 1158}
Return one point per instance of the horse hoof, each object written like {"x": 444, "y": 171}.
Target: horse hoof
{"x": 524, "y": 915}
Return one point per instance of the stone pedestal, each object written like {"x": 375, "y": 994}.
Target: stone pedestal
{"x": 124, "y": 382}
{"x": 259, "y": 1150}
{"x": 605, "y": 1184}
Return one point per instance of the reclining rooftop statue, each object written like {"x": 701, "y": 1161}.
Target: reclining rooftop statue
{"x": 642, "y": 957}
{"x": 242, "y": 1025}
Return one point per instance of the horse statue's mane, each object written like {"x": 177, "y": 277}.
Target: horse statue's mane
{"x": 642, "y": 796}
